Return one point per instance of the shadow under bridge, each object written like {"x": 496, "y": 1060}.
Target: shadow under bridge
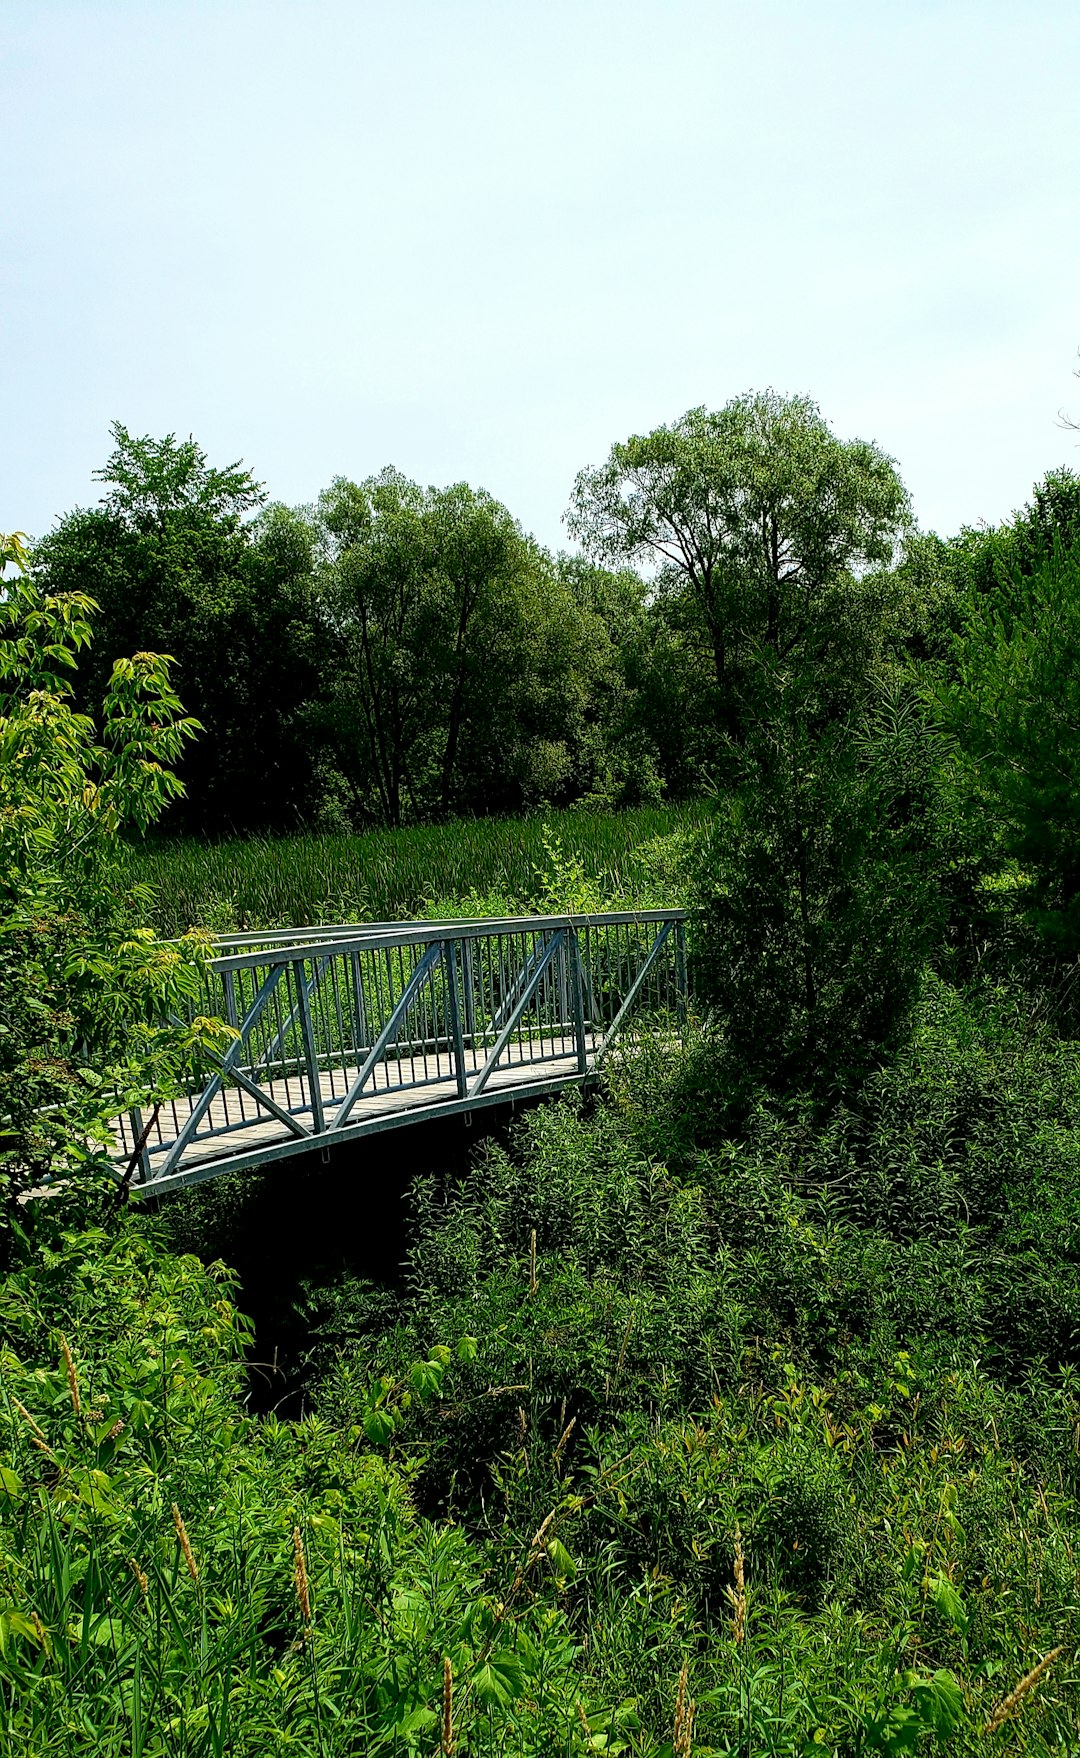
{"x": 345, "y": 1031}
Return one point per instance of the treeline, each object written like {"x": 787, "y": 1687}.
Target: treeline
{"x": 391, "y": 655}
{"x": 397, "y": 654}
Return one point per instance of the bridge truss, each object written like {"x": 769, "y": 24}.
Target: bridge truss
{"x": 348, "y": 1030}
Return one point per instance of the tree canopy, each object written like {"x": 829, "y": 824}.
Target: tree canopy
{"x": 754, "y": 514}
{"x": 187, "y": 559}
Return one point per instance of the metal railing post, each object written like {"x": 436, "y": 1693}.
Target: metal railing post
{"x": 359, "y": 1009}
{"x": 138, "y": 1127}
{"x": 457, "y": 1044}
{"x": 681, "y": 991}
{"x": 310, "y": 1058}
{"x": 468, "y": 986}
{"x": 228, "y": 983}
{"x": 577, "y": 999}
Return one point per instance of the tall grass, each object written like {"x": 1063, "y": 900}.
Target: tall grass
{"x": 396, "y": 874}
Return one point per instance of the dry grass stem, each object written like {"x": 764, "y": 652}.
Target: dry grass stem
{"x": 683, "y": 1732}
{"x": 535, "y": 1551}
{"x": 563, "y": 1438}
{"x": 26, "y": 1416}
{"x": 625, "y": 1341}
{"x": 185, "y": 1543}
{"x": 72, "y": 1378}
{"x": 1019, "y": 1692}
{"x": 533, "y": 1283}
{"x": 447, "y": 1708}
{"x": 300, "y": 1576}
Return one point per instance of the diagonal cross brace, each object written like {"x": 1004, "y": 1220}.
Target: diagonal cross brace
{"x": 304, "y": 991}
{"x": 527, "y": 994}
{"x": 228, "y": 1062}
{"x": 632, "y": 993}
{"x": 389, "y": 1032}
{"x": 262, "y": 1096}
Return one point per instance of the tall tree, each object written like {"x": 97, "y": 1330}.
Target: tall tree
{"x": 186, "y": 558}
{"x": 757, "y": 514}
{"x": 448, "y": 637}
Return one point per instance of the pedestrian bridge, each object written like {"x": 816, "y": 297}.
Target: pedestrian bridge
{"x": 345, "y": 1031}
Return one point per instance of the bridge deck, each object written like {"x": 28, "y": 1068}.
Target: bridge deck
{"x": 265, "y": 1137}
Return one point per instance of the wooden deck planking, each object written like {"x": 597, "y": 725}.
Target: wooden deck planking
{"x": 268, "y": 1131}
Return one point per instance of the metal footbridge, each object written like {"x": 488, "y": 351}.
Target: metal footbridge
{"x": 345, "y": 1031}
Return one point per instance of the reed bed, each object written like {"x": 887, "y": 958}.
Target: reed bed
{"x": 501, "y": 864}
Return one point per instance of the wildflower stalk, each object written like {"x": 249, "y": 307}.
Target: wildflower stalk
{"x": 72, "y": 1377}
{"x": 563, "y": 1438}
{"x": 447, "y": 1708}
{"x": 185, "y": 1543}
{"x": 736, "y": 1596}
{"x": 683, "y": 1732}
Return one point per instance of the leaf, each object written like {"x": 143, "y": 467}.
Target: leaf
{"x": 16, "y": 1623}
{"x": 563, "y": 1562}
{"x": 893, "y": 1730}
{"x": 10, "y": 1482}
{"x": 467, "y": 1349}
{"x": 501, "y": 1680}
{"x": 941, "y": 1703}
{"x": 914, "y": 1557}
{"x": 378, "y": 1426}
{"x": 949, "y": 1603}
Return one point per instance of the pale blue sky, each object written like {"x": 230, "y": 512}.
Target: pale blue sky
{"x": 482, "y": 241}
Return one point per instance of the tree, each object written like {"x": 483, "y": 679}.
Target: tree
{"x": 612, "y": 756}
{"x": 1015, "y": 706}
{"x": 939, "y": 580}
{"x": 819, "y": 888}
{"x": 86, "y": 993}
{"x": 186, "y": 558}
{"x": 756, "y": 514}
{"x": 450, "y": 651}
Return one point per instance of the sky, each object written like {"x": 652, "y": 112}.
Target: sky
{"x": 482, "y": 240}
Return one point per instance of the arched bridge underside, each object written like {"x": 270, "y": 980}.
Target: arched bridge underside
{"x": 345, "y": 1031}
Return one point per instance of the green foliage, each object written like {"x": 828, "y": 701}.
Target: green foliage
{"x": 1015, "y": 703}
{"x": 756, "y": 516}
{"x": 86, "y": 992}
{"x": 176, "y": 1578}
{"x": 818, "y": 890}
{"x": 850, "y": 1341}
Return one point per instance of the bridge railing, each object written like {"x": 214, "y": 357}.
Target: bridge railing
{"x": 340, "y": 1030}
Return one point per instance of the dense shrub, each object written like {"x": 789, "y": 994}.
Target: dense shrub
{"x": 176, "y": 1578}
